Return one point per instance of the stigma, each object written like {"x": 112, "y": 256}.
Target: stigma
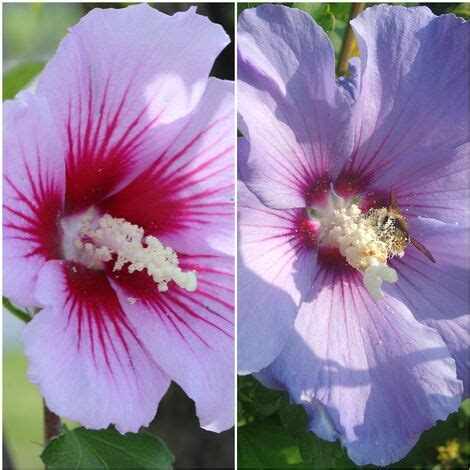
{"x": 111, "y": 239}
{"x": 367, "y": 240}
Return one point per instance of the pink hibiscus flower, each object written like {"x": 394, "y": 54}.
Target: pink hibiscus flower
{"x": 118, "y": 215}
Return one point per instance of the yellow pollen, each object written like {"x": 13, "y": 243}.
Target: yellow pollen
{"x": 366, "y": 240}
{"x": 110, "y": 236}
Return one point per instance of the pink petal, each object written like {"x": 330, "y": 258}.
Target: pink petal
{"x": 189, "y": 334}
{"x": 85, "y": 356}
{"x": 186, "y": 196}
{"x": 382, "y": 377}
{"x": 122, "y": 84}
{"x": 292, "y": 113}
{"x": 34, "y": 188}
{"x": 276, "y": 268}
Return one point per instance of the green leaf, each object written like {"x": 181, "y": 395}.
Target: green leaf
{"x": 320, "y": 12}
{"x": 83, "y": 448}
{"x": 15, "y": 79}
{"x": 341, "y": 10}
{"x": 337, "y": 35}
{"x": 322, "y": 454}
{"x": 294, "y": 418}
{"x": 262, "y": 445}
{"x": 466, "y": 407}
{"x": 462, "y": 10}
{"x": 265, "y": 400}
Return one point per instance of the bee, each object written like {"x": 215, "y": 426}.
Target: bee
{"x": 401, "y": 234}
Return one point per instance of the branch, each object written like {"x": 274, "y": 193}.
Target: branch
{"x": 348, "y": 41}
{"x": 51, "y": 424}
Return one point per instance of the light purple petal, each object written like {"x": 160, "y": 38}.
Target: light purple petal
{"x": 186, "y": 197}
{"x": 438, "y": 294}
{"x": 382, "y": 376}
{"x": 414, "y": 90}
{"x": 447, "y": 242}
{"x": 351, "y": 85}
{"x": 122, "y": 84}
{"x": 84, "y": 354}
{"x": 275, "y": 269}
{"x": 33, "y": 197}
{"x": 189, "y": 334}
{"x": 436, "y": 185}
{"x": 292, "y": 112}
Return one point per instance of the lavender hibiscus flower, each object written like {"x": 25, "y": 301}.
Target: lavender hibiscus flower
{"x": 118, "y": 218}
{"x": 358, "y": 324}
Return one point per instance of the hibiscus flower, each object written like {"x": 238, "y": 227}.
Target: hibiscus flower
{"x": 118, "y": 214}
{"x": 343, "y": 182}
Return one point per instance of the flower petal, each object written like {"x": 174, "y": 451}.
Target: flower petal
{"x": 438, "y": 293}
{"x": 414, "y": 87}
{"x": 383, "y": 377}
{"x": 436, "y": 185}
{"x": 186, "y": 196}
{"x": 351, "y": 85}
{"x": 275, "y": 269}
{"x": 189, "y": 334}
{"x": 85, "y": 356}
{"x": 447, "y": 242}
{"x": 122, "y": 84}
{"x": 34, "y": 189}
{"x": 292, "y": 112}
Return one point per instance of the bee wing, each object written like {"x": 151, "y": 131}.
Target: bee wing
{"x": 419, "y": 246}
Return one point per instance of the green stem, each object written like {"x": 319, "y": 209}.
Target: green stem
{"x": 23, "y": 316}
{"x": 348, "y": 41}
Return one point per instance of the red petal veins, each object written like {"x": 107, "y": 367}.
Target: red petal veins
{"x": 210, "y": 306}
{"x": 186, "y": 195}
{"x": 93, "y": 307}
{"x": 100, "y": 159}
{"x": 38, "y": 225}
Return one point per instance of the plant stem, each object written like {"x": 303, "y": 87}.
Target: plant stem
{"x": 348, "y": 41}
{"x": 23, "y": 316}
{"x": 51, "y": 424}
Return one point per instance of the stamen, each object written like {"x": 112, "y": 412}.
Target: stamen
{"x": 366, "y": 240}
{"x": 111, "y": 236}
